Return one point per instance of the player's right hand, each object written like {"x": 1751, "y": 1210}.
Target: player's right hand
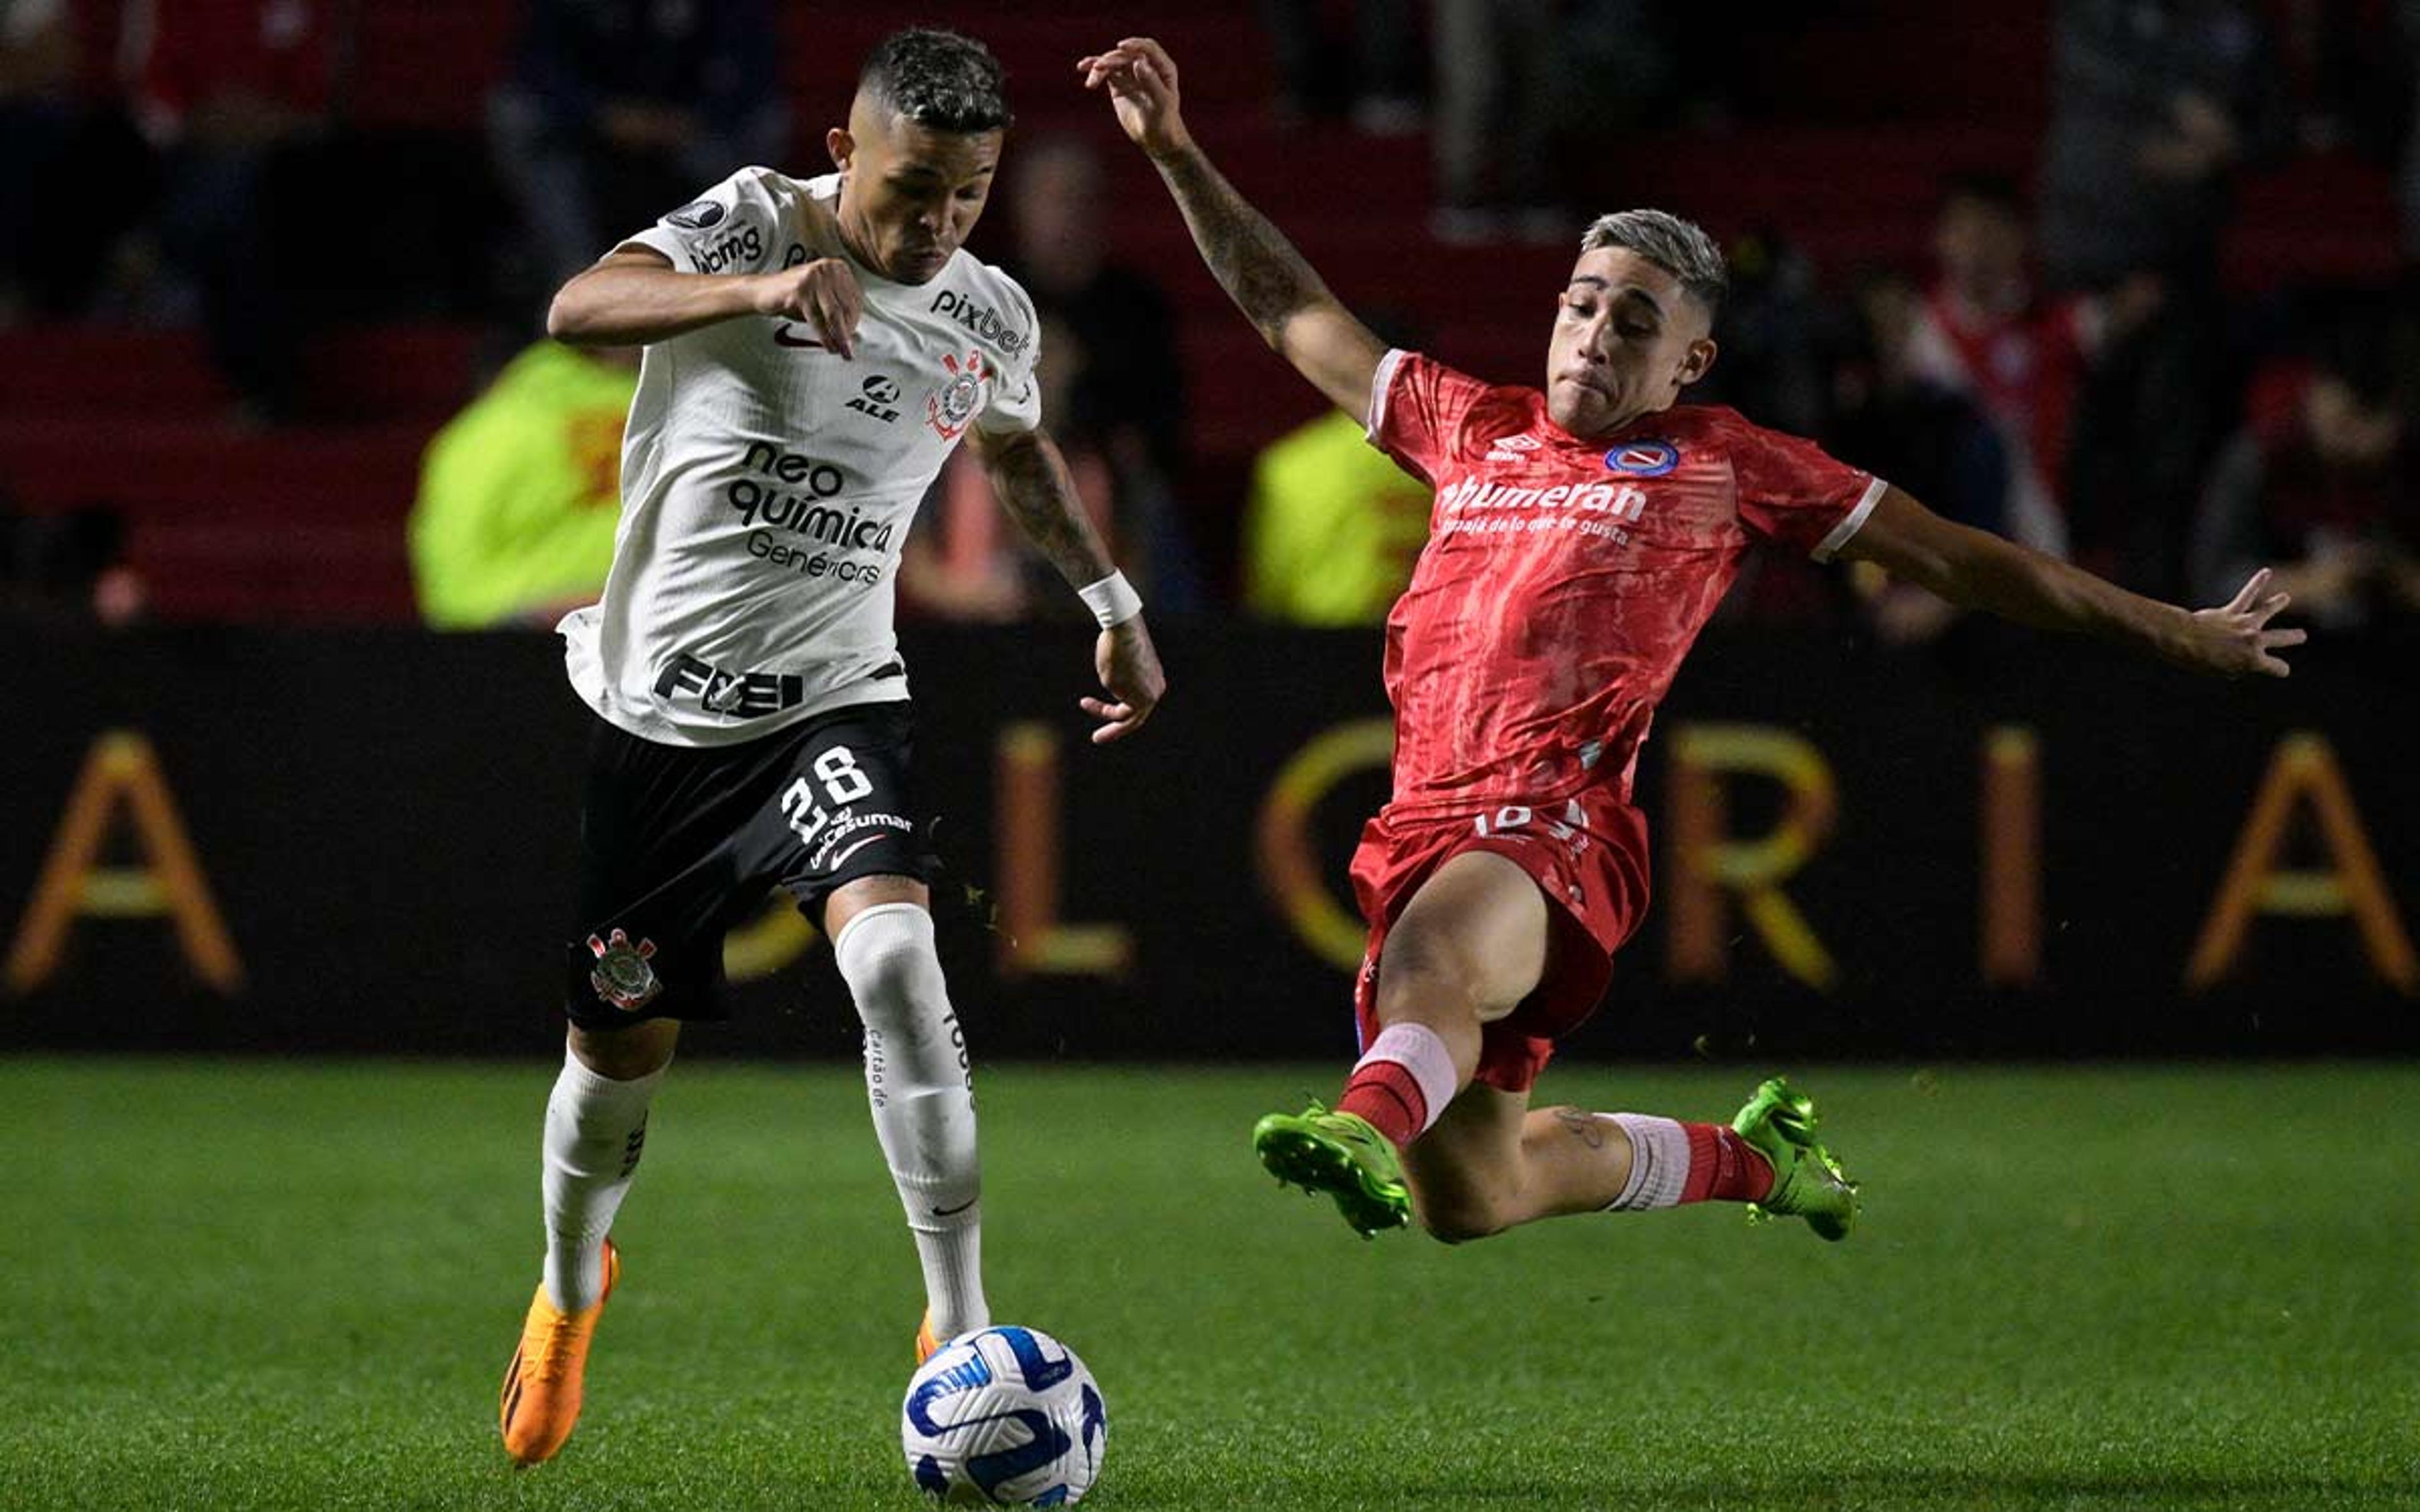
{"x": 823, "y": 293}
{"x": 1141, "y": 81}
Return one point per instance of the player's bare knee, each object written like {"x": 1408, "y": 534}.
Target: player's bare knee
{"x": 1423, "y": 980}
{"x": 627, "y": 1055}
{"x": 1460, "y": 1220}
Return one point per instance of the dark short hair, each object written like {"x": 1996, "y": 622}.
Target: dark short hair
{"x": 937, "y": 79}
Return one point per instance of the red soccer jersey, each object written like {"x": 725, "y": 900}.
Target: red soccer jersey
{"x": 1564, "y": 579}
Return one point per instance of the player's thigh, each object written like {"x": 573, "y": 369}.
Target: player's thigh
{"x": 1467, "y": 1169}
{"x": 846, "y": 835}
{"x": 1474, "y": 932}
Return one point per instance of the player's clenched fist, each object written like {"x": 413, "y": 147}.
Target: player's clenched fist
{"x": 823, "y": 293}
{"x": 1141, "y": 81}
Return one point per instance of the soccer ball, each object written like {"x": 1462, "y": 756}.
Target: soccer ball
{"x": 1004, "y": 1417}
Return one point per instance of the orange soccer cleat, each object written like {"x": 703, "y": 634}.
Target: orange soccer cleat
{"x": 926, "y": 1340}
{"x": 540, "y": 1402}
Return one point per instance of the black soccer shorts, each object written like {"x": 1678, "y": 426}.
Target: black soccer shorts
{"x": 679, "y": 846}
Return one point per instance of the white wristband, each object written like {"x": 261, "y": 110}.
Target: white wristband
{"x": 1112, "y": 600}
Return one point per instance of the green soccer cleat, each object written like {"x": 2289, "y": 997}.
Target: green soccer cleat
{"x": 1807, "y": 1182}
{"x": 1339, "y": 1154}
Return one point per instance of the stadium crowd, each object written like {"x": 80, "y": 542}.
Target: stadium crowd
{"x": 2059, "y": 347}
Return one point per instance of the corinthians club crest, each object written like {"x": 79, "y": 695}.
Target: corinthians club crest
{"x": 623, "y": 978}
{"x": 949, "y": 407}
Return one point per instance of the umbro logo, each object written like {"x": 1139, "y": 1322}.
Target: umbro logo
{"x": 1511, "y": 448}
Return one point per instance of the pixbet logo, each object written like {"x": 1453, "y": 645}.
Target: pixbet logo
{"x": 981, "y": 321}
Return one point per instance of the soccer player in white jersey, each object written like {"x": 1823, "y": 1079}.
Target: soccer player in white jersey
{"x": 815, "y": 350}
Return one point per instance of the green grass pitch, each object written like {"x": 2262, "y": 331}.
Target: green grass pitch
{"x": 270, "y": 1285}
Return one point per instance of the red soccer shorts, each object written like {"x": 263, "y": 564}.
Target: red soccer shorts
{"x": 1588, "y": 855}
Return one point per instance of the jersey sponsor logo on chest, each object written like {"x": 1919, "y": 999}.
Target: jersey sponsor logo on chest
{"x": 791, "y": 495}
{"x": 1477, "y": 506}
{"x": 877, "y": 396}
{"x": 981, "y": 321}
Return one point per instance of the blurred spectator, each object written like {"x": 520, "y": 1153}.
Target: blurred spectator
{"x": 2155, "y": 105}
{"x": 521, "y": 493}
{"x": 2342, "y": 71}
{"x": 67, "y": 568}
{"x": 1774, "y": 333}
{"x": 1982, "y": 332}
{"x": 1933, "y": 438}
{"x": 2326, "y": 492}
{"x": 965, "y": 561}
{"x": 236, "y": 94}
{"x": 1377, "y": 77}
{"x": 1496, "y": 104}
{"x": 619, "y": 110}
{"x": 1123, "y": 378}
{"x": 1332, "y": 527}
{"x": 2409, "y": 14}
{"x": 74, "y": 176}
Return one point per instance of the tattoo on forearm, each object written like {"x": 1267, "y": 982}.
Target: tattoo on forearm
{"x": 1583, "y": 1126}
{"x": 1252, "y": 260}
{"x": 1040, "y": 496}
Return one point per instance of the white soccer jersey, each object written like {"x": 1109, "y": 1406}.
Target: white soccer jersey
{"x": 767, "y": 483}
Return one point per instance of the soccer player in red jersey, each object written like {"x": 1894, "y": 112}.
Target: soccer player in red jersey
{"x": 1581, "y": 536}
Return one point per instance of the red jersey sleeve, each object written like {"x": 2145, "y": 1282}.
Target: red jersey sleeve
{"x": 1794, "y": 493}
{"x": 1417, "y": 407}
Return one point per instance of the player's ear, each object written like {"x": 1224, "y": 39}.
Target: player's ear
{"x": 842, "y": 147}
{"x": 1694, "y": 363}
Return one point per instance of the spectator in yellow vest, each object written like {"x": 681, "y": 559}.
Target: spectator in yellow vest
{"x": 1332, "y": 527}
{"x": 520, "y": 494}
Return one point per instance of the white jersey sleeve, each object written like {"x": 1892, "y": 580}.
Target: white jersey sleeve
{"x": 1015, "y": 402}
{"x": 737, "y": 226}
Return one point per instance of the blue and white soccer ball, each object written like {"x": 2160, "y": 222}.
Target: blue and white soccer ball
{"x": 1004, "y": 1417}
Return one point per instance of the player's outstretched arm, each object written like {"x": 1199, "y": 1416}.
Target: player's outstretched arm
{"x": 635, "y": 296}
{"x": 1260, "y": 270}
{"x": 1975, "y": 569}
{"x": 1031, "y": 477}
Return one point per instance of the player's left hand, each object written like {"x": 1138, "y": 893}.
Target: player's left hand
{"x": 2234, "y": 639}
{"x": 1128, "y": 665}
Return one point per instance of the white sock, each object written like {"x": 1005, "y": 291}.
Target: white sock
{"x": 596, "y": 1128}
{"x": 1659, "y": 1162}
{"x": 1418, "y": 1049}
{"x": 922, "y": 1095}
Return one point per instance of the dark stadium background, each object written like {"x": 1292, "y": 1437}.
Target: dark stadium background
{"x": 382, "y": 813}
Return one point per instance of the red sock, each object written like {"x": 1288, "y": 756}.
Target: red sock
{"x": 1385, "y": 1093}
{"x": 1723, "y": 1168}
